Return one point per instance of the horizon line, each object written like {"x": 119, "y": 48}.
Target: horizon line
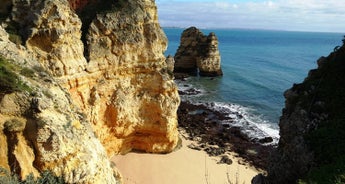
{"x": 254, "y": 29}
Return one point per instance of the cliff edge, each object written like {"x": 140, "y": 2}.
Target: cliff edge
{"x": 311, "y": 146}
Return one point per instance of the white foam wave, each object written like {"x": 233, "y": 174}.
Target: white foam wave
{"x": 252, "y": 125}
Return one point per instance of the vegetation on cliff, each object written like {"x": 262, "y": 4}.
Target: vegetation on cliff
{"x": 9, "y": 80}
{"x": 312, "y": 127}
{"x": 122, "y": 97}
{"x": 327, "y": 139}
{"x": 46, "y": 177}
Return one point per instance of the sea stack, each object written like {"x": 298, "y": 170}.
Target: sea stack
{"x": 198, "y": 54}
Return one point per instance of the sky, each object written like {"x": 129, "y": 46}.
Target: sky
{"x": 291, "y": 15}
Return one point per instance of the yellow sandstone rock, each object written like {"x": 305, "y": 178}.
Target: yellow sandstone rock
{"x": 110, "y": 91}
{"x": 124, "y": 88}
{"x": 41, "y": 129}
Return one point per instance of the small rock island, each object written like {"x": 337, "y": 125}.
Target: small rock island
{"x": 198, "y": 54}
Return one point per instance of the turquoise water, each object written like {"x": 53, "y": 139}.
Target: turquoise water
{"x": 258, "y": 66}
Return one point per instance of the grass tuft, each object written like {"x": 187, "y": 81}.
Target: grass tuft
{"x": 46, "y": 177}
{"x": 9, "y": 80}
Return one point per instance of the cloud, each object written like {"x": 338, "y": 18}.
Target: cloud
{"x": 306, "y": 15}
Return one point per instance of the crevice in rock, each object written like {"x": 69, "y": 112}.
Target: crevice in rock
{"x": 5, "y": 10}
{"x": 11, "y": 128}
{"x": 87, "y": 10}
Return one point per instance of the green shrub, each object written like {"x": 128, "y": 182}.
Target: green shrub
{"x": 14, "y": 125}
{"x": 9, "y": 80}
{"x": 27, "y": 72}
{"x": 15, "y": 38}
{"x": 46, "y": 177}
{"x": 8, "y": 178}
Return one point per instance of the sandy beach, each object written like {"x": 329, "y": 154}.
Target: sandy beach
{"x": 184, "y": 166}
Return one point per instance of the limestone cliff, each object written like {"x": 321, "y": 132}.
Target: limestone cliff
{"x": 40, "y": 128}
{"x": 311, "y": 145}
{"x": 122, "y": 83}
{"x": 106, "y": 61}
{"x": 133, "y": 99}
{"x": 198, "y": 52}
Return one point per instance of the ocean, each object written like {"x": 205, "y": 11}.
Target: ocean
{"x": 258, "y": 66}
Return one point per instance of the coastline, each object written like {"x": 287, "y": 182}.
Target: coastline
{"x": 211, "y": 152}
{"x": 184, "y": 165}
{"x": 216, "y": 139}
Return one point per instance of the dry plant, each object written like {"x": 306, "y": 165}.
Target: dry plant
{"x": 206, "y": 173}
{"x": 237, "y": 180}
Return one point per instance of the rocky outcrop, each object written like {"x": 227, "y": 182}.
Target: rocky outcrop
{"x": 198, "y": 52}
{"x": 133, "y": 99}
{"x": 109, "y": 80}
{"x": 40, "y": 128}
{"x": 170, "y": 63}
{"x": 122, "y": 83}
{"x": 52, "y": 31}
{"x": 311, "y": 127}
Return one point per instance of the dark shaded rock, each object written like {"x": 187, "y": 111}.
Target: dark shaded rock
{"x": 181, "y": 76}
{"x": 225, "y": 160}
{"x": 258, "y": 179}
{"x": 194, "y": 147}
{"x": 213, "y": 151}
{"x": 191, "y": 91}
{"x": 266, "y": 140}
{"x": 312, "y": 124}
{"x": 215, "y": 139}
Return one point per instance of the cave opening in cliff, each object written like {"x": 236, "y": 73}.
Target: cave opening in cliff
{"x": 87, "y": 10}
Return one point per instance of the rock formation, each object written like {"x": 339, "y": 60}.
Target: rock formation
{"x": 198, "y": 52}
{"x": 111, "y": 66}
{"x": 40, "y": 128}
{"x": 170, "y": 63}
{"x": 133, "y": 99}
{"x": 312, "y": 126}
{"x": 123, "y": 87}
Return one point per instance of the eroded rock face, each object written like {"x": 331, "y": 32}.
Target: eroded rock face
{"x": 41, "y": 129}
{"x": 197, "y": 51}
{"x": 114, "y": 72}
{"x": 53, "y": 33}
{"x": 138, "y": 100}
{"x": 122, "y": 85}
